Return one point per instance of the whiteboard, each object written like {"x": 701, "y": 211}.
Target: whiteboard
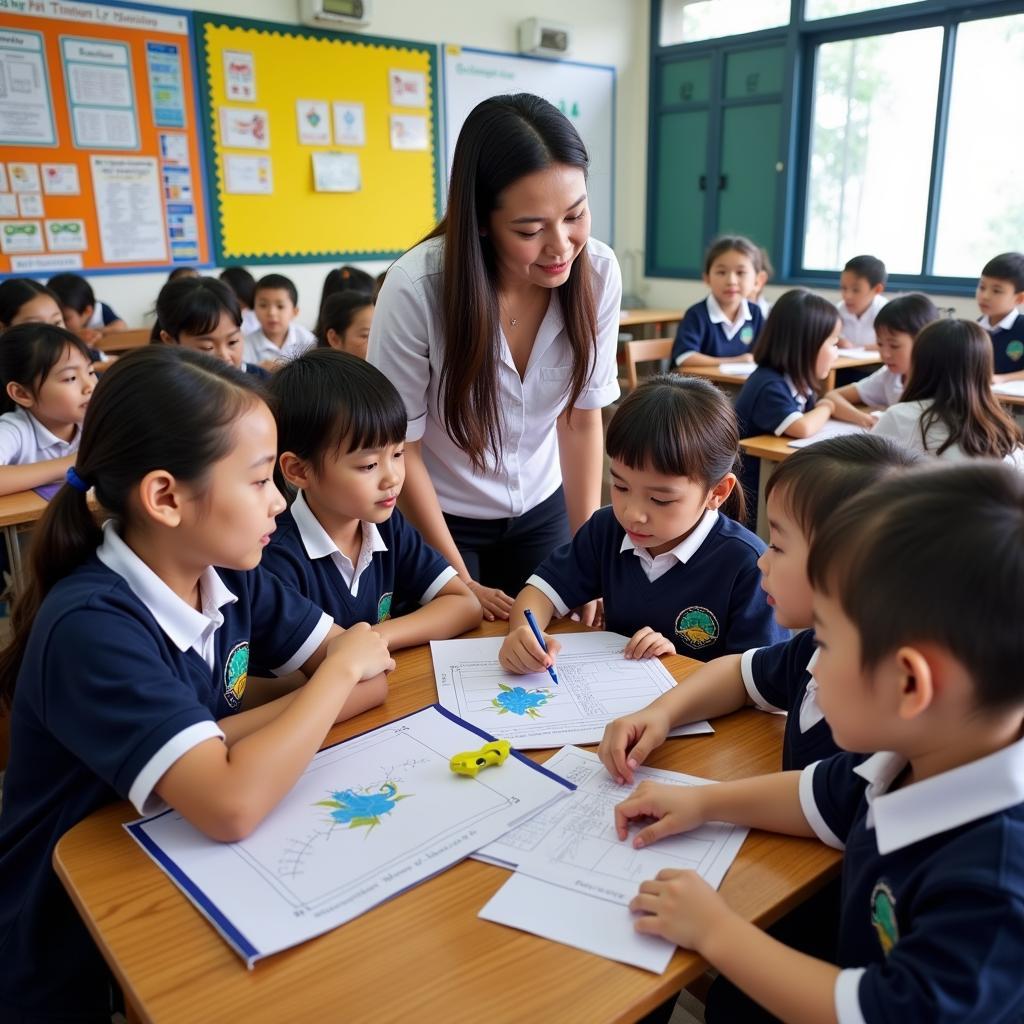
{"x": 584, "y": 92}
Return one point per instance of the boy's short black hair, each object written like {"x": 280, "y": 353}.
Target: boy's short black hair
{"x": 1007, "y": 266}
{"x": 907, "y": 314}
{"x": 813, "y": 482}
{"x": 277, "y": 282}
{"x": 327, "y": 401}
{"x": 871, "y": 268}
{"x": 934, "y": 556}
{"x": 73, "y": 291}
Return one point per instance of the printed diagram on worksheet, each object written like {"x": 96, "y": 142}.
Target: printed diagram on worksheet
{"x": 369, "y": 817}
{"x": 575, "y": 844}
{"x": 595, "y": 685}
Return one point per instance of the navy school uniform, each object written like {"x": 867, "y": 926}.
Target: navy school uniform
{"x": 698, "y": 332}
{"x": 709, "y": 603}
{"x": 396, "y": 566}
{"x": 120, "y": 678}
{"x": 1008, "y": 345}
{"x": 767, "y": 404}
{"x": 255, "y": 370}
{"x": 932, "y": 921}
{"x": 779, "y": 678}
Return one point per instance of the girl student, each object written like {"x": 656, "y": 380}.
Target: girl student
{"x": 344, "y": 323}
{"x": 896, "y": 325}
{"x": 81, "y": 311}
{"x": 243, "y": 284}
{"x": 500, "y": 331}
{"x": 26, "y": 301}
{"x": 676, "y": 572}
{"x": 343, "y": 544}
{"x": 158, "y": 710}
{"x": 48, "y": 380}
{"x": 203, "y": 314}
{"x": 948, "y": 409}
{"x": 794, "y": 353}
{"x": 722, "y": 327}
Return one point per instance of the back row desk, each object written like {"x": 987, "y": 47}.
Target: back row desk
{"x": 425, "y": 955}
{"x": 731, "y": 380}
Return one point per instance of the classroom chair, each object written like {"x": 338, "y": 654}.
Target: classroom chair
{"x": 646, "y": 351}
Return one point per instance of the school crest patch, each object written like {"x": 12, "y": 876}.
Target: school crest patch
{"x": 883, "y": 916}
{"x": 746, "y": 335}
{"x": 384, "y": 607}
{"x": 697, "y": 626}
{"x": 236, "y": 672}
{"x": 1015, "y": 350}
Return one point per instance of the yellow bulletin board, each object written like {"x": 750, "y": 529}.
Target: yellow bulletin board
{"x": 320, "y": 145}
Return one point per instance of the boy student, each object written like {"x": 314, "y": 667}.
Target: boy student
{"x": 279, "y": 337}
{"x": 932, "y": 922}
{"x": 1000, "y": 291}
{"x": 861, "y": 285}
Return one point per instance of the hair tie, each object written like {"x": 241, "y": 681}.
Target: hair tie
{"x": 76, "y": 481}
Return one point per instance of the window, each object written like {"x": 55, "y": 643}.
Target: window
{"x": 688, "y": 21}
{"x": 981, "y": 208}
{"x": 834, "y": 8}
{"x": 869, "y": 166}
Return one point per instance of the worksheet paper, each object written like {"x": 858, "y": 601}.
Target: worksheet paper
{"x": 569, "y": 857}
{"x": 1010, "y": 387}
{"x": 370, "y": 817}
{"x": 834, "y": 428}
{"x": 596, "y": 684}
{"x": 737, "y": 369}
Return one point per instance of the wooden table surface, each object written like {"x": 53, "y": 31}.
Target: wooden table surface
{"x": 767, "y": 446}
{"x": 640, "y": 317}
{"x": 732, "y": 380}
{"x": 424, "y": 956}
{"x": 21, "y": 507}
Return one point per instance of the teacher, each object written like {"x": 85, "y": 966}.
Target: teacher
{"x": 500, "y": 331}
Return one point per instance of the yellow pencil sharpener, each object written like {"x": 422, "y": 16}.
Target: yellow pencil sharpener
{"x": 471, "y": 761}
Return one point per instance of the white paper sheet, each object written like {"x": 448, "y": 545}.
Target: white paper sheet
{"x": 313, "y": 118}
{"x": 243, "y": 128}
{"x": 336, "y": 172}
{"x": 349, "y": 124}
{"x": 573, "y": 919}
{"x": 369, "y": 818}
{"x": 596, "y": 685}
{"x": 408, "y": 131}
{"x": 129, "y": 209}
{"x": 26, "y": 116}
{"x": 737, "y": 369}
{"x": 833, "y": 428}
{"x": 248, "y": 175}
{"x": 859, "y": 353}
{"x": 1011, "y": 387}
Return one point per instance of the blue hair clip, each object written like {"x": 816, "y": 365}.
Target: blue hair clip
{"x": 76, "y": 481}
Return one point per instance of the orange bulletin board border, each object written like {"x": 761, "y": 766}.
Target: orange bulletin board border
{"x": 179, "y": 163}
{"x": 398, "y": 198}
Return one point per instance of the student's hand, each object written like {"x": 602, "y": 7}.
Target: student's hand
{"x": 867, "y": 419}
{"x": 89, "y": 335}
{"x": 627, "y": 741}
{"x": 679, "y": 906}
{"x": 591, "y": 613}
{"x": 646, "y": 643}
{"x": 362, "y": 650}
{"x": 844, "y": 343}
{"x": 745, "y": 357}
{"x": 495, "y": 603}
{"x": 521, "y": 654}
{"x": 675, "y": 808}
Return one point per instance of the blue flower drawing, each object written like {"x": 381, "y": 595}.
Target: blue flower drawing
{"x": 519, "y": 701}
{"x": 363, "y": 810}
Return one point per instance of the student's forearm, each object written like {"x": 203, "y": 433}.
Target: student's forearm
{"x": 447, "y": 615}
{"x": 811, "y": 422}
{"x": 1003, "y": 378}
{"x": 842, "y": 402}
{"x": 419, "y": 504}
{"x": 714, "y": 689}
{"x": 538, "y": 603}
{"x": 581, "y": 454}
{"x": 797, "y": 988}
{"x": 701, "y": 359}
{"x": 769, "y": 802}
{"x": 33, "y": 474}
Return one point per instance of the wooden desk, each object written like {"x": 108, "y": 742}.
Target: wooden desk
{"x": 645, "y": 317}
{"x": 424, "y": 956}
{"x": 729, "y": 380}
{"x": 770, "y": 450}
{"x": 18, "y": 510}
{"x": 124, "y": 341}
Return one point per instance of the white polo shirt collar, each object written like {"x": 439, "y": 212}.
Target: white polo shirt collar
{"x": 655, "y": 566}
{"x": 943, "y": 802}
{"x": 318, "y": 543}
{"x": 731, "y": 327}
{"x": 1004, "y": 325}
{"x": 185, "y": 626}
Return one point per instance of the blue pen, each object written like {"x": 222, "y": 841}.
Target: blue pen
{"x": 540, "y": 639}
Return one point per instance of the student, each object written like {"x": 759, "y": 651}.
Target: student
{"x": 897, "y": 324}
{"x": 26, "y": 301}
{"x": 243, "y": 284}
{"x": 343, "y": 544}
{"x": 80, "y": 309}
{"x": 279, "y": 337}
{"x": 676, "y": 574}
{"x": 48, "y": 380}
{"x": 948, "y": 409}
{"x": 765, "y": 271}
{"x": 130, "y": 653}
{"x": 179, "y": 272}
{"x": 932, "y": 927}
{"x": 802, "y": 494}
{"x": 1000, "y": 291}
{"x": 722, "y": 328}
{"x": 344, "y": 323}
{"x": 861, "y": 285}
{"x": 202, "y": 313}
{"x": 347, "y": 279}
{"x": 794, "y": 353}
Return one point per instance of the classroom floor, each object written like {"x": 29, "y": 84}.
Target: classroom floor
{"x": 689, "y": 1010}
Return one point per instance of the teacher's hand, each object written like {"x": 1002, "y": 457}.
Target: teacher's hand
{"x": 495, "y": 603}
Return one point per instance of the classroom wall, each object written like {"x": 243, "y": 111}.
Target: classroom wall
{"x": 607, "y": 32}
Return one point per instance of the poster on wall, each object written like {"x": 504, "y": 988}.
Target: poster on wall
{"x": 26, "y": 114}
{"x": 129, "y": 209}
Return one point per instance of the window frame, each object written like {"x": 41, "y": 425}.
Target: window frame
{"x": 801, "y": 38}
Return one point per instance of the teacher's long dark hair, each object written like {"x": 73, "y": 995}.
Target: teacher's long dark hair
{"x": 504, "y": 139}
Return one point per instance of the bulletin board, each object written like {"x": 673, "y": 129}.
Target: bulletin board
{"x": 585, "y": 93}
{"x": 320, "y": 145}
{"x": 100, "y": 149}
